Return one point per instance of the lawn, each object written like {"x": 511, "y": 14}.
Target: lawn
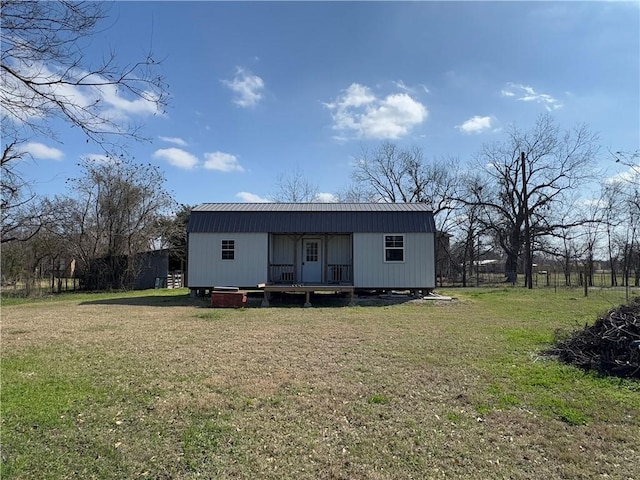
{"x": 156, "y": 385}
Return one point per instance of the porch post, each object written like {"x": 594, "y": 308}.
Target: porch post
{"x": 325, "y": 259}
{"x": 295, "y": 258}
{"x": 269, "y": 243}
{"x": 307, "y": 303}
{"x": 265, "y": 300}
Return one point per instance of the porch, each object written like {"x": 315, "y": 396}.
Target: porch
{"x": 308, "y": 259}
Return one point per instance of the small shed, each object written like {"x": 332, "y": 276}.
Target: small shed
{"x": 372, "y": 246}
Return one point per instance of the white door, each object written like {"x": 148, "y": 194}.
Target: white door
{"x": 311, "y": 261}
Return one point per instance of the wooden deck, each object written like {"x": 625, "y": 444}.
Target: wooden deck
{"x": 306, "y": 289}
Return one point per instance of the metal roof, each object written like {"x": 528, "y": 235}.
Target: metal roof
{"x": 311, "y": 218}
{"x": 311, "y": 207}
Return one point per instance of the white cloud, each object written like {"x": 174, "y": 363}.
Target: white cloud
{"x": 176, "y": 140}
{"x": 223, "y": 162}
{"x": 525, "y": 93}
{"x": 475, "y": 124}
{"x": 401, "y": 85}
{"x": 591, "y": 202}
{"x": 632, "y": 175}
{"x": 404, "y": 87}
{"x": 357, "y": 111}
{"x": 220, "y": 161}
{"x": 325, "y": 197}
{"x": 121, "y": 107}
{"x": 251, "y": 197}
{"x": 247, "y": 87}
{"x": 177, "y": 157}
{"x": 41, "y": 151}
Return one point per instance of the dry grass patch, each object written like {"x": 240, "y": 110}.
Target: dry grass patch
{"x": 168, "y": 389}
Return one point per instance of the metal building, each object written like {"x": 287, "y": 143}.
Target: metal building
{"x": 374, "y": 246}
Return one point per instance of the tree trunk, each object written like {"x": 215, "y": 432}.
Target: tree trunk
{"x": 586, "y": 287}
{"x": 464, "y": 273}
{"x": 511, "y": 268}
{"x": 566, "y": 269}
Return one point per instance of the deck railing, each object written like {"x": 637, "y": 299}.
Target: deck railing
{"x": 282, "y": 273}
{"x": 337, "y": 273}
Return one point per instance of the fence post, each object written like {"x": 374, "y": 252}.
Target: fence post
{"x": 586, "y": 283}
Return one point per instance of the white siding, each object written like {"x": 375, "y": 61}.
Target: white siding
{"x": 247, "y": 269}
{"x": 371, "y": 271}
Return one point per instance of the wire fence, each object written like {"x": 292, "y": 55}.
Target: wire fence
{"x": 545, "y": 279}
{"x": 542, "y": 279}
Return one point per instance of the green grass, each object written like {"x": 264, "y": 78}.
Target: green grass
{"x": 377, "y": 399}
{"x": 154, "y": 385}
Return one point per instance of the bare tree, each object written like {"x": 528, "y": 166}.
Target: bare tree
{"x": 625, "y": 193}
{"x": 20, "y": 220}
{"x": 389, "y": 173}
{"x": 33, "y": 258}
{"x": 44, "y": 74}
{"x": 591, "y": 234}
{"x": 113, "y": 216}
{"x": 627, "y": 188}
{"x": 629, "y": 181}
{"x": 632, "y": 160}
{"x": 173, "y": 232}
{"x": 566, "y": 251}
{"x": 566, "y": 242}
{"x": 613, "y": 218}
{"x": 468, "y": 227}
{"x": 525, "y": 176}
{"x": 629, "y": 249}
{"x": 356, "y": 193}
{"x": 295, "y": 187}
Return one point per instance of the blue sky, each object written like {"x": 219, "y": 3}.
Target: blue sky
{"x": 261, "y": 89}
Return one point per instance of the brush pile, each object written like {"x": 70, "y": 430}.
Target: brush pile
{"x": 611, "y": 345}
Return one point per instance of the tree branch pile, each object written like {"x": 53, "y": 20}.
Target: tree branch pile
{"x": 611, "y": 345}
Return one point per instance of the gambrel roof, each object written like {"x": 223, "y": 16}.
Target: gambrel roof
{"x": 311, "y": 218}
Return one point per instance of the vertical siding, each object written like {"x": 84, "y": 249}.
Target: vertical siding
{"x": 371, "y": 271}
{"x": 339, "y": 249}
{"x": 283, "y": 249}
{"x": 207, "y": 269}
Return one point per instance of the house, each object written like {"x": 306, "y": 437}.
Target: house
{"x": 311, "y": 246}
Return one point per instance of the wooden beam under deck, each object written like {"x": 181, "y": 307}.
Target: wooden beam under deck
{"x": 307, "y": 289}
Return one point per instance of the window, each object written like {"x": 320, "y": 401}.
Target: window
{"x": 394, "y": 248}
{"x": 228, "y": 249}
{"x": 312, "y": 252}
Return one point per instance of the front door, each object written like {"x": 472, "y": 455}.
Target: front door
{"x": 311, "y": 261}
